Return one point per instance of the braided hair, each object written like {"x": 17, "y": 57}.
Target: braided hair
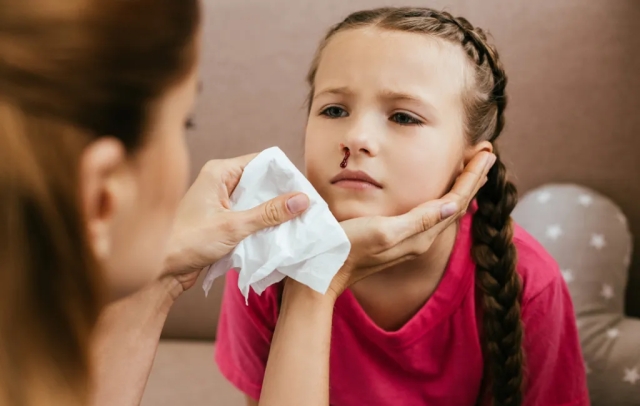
{"x": 493, "y": 250}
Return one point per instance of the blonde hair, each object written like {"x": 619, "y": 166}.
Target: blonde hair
{"x": 70, "y": 71}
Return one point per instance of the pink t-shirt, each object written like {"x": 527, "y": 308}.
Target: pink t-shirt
{"x": 435, "y": 359}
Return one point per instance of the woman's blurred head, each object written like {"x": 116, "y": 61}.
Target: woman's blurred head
{"x": 94, "y": 98}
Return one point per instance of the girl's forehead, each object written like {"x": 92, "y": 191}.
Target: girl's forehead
{"x": 371, "y": 59}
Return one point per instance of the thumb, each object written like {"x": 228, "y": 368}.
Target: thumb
{"x": 432, "y": 215}
{"x": 274, "y": 212}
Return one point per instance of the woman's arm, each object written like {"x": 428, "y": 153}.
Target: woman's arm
{"x": 125, "y": 343}
{"x": 129, "y": 330}
{"x": 204, "y": 230}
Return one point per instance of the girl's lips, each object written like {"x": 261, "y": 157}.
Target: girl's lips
{"x": 355, "y": 184}
{"x": 355, "y": 180}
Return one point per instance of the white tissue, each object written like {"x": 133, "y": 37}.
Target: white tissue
{"x": 310, "y": 248}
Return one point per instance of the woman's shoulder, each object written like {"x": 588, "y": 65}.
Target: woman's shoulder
{"x": 537, "y": 268}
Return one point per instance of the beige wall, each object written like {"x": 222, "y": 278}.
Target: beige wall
{"x": 574, "y": 69}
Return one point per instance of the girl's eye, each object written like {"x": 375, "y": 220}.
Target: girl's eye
{"x": 405, "y": 119}
{"x": 334, "y": 112}
{"x": 190, "y": 123}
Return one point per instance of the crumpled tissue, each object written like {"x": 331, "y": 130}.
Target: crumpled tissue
{"x": 310, "y": 248}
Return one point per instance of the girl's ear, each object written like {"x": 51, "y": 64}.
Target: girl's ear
{"x": 474, "y": 150}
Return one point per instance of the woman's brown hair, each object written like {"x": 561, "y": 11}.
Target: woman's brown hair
{"x": 493, "y": 250}
{"x": 70, "y": 71}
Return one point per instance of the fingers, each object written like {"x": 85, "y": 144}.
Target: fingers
{"x": 471, "y": 180}
{"x": 243, "y": 160}
{"x": 422, "y": 218}
{"x": 416, "y": 244}
{"x": 272, "y": 213}
{"x": 225, "y": 172}
{"x": 237, "y": 164}
{"x": 387, "y": 232}
{"x": 428, "y": 223}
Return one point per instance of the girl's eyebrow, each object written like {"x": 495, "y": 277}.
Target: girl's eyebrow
{"x": 343, "y": 90}
{"x": 392, "y": 95}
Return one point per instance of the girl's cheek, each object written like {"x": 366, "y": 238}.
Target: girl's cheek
{"x": 426, "y": 177}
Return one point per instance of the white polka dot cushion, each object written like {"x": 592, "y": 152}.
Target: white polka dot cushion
{"x": 589, "y": 237}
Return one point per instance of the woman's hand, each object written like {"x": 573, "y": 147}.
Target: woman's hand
{"x": 205, "y": 229}
{"x": 381, "y": 242}
{"x": 301, "y": 343}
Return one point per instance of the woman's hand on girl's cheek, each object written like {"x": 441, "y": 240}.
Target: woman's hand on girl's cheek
{"x": 380, "y": 242}
{"x": 205, "y": 229}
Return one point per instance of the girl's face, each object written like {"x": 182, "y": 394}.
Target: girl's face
{"x": 394, "y": 99}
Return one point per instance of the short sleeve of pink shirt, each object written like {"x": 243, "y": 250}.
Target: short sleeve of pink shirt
{"x": 434, "y": 359}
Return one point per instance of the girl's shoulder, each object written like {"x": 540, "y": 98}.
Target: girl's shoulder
{"x": 536, "y": 266}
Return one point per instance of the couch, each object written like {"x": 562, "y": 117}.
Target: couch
{"x": 573, "y": 117}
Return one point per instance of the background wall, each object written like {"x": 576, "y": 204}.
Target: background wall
{"x": 574, "y": 70}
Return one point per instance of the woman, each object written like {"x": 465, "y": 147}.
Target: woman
{"x": 94, "y": 100}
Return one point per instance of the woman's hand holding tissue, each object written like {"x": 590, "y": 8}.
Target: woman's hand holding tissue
{"x": 205, "y": 229}
{"x": 381, "y": 242}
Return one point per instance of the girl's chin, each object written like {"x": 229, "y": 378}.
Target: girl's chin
{"x": 344, "y": 212}
{"x": 350, "y": 209}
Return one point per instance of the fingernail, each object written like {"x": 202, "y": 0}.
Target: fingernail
{"x": 490, "y": 161}
{"x": 298, "y": 203}
{"x": 448, "y": 209}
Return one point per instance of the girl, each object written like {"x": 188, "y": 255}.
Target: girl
{"x": 404, "y": 98}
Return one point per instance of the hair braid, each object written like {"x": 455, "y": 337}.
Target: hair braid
{"x": 493, "y": 249}
{"x": 495, "y": 254}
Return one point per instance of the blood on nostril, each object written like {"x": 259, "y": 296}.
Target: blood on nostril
{"x": 347, "y": 153}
